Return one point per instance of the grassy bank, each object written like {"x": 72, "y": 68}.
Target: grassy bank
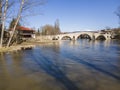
{"x": 9, "y": 49}
{"x": 27, "y": 44}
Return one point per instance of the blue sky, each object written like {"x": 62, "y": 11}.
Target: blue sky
{"x": 77, "y": 15}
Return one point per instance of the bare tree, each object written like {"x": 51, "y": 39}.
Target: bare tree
{"x": 0, "y": 13}
{"x": 57, "y": 27}
{"x": 48, "y": 30}
{"x": 25, "y": 10}
{"x": 17, "y": 20}
{"x": 4, "y": 6}
{"x": 3, "y": 20}
{"x": 118, "y": 14}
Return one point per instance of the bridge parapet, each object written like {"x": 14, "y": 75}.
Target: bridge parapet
{"x": 75, "y": 35}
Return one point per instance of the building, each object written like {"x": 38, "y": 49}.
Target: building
{"x": 25, "y": 32}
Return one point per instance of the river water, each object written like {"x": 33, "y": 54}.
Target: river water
{"x": 65, "y": 65}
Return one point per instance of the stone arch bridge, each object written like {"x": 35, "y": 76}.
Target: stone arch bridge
{"x": 76, "y": 35}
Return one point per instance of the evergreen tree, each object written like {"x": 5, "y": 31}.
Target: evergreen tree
{"x": 13, "y": 23}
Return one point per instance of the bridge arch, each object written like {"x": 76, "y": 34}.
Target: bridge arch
{"x": 101, "y": 37}
{"x": 66, "y": 38}
{"x": 84, "y": 36}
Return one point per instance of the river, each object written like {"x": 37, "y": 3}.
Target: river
{"x": 65, "y": 65}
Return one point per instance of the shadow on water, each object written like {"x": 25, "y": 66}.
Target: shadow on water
{"x": 90, "y": 65}
{"x": 53, "y": 70}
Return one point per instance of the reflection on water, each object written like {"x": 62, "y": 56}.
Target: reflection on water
{"x": 67, "y": 65}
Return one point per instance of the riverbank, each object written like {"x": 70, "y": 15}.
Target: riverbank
{"x": 25, "y": 45}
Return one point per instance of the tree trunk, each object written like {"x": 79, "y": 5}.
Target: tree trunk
{"x": 17, "y": 20}
{"x": 3, "y": 23}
